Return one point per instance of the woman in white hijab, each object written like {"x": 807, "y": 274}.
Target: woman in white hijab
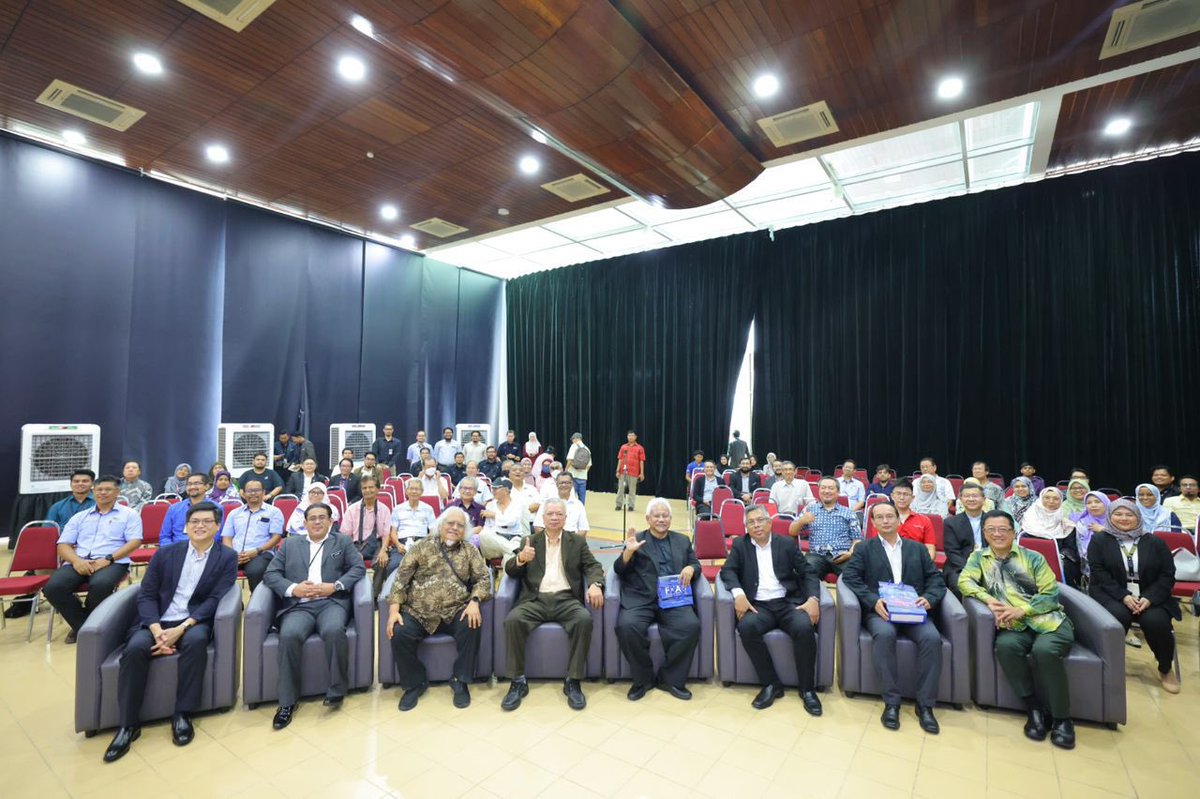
{"x": 925, "y": 498}
{"x": 533, "y": 447}
{"x": 317, "y": 494}
{"x": 1046, "y": 519}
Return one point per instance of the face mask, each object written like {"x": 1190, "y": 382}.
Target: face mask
{"x": 430, "y": 471}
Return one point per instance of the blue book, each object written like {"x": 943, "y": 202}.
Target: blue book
{"x": 672, "y": 593}
{"x": 901, "y": 602}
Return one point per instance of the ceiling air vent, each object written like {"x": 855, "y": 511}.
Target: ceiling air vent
{"x": 575, "y": 188}
{"x": 92, "y": 107}
{"x": 233, "y": 14}
{"x": 439, "y": 227}
{"x": 1149, "y": 22}
{"x": 799, "y": 124}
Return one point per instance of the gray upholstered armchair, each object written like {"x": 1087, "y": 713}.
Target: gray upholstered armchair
{"x": 856, "y": 651}
{"x": 734, "y": 664}
{"x": 98, "y": 663}
{"x": 616, "y": 667}
{"x": 261, "y": 649}
{"x": 1095, "y": 664}
{"x": 546, "y": 650}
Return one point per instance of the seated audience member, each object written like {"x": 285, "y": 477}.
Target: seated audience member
{"x": 217, "y": 468}
{"x": 371, "y": 468}
{"x": 1186, "y": 506}
{"x": 1079, "y": 474}
{"x": 522, "y": 489}
{"x": 176, "y": 604}
{"x": 509, "y": 450}
{"x": 223, "y": 489}
{"x": 546, "y": 486}
{"x": 505, "y": 521}
{"x": 414, "y": 454}
{"x": 489, "y": 467}
{"x": 945, "y": 489}
{"x": 411, "y": 520}
{"x": 788, "y": 493}
{"x": 253, "y": 531}
{"x": 432, "y": 484}
{"x": 174, "y": 522}
{"x": 1029, "y": 471}
{"x": 533, "y": 448}
{"x": 387, "y": 447}
{"x": 888, "y": 558}
{"x": 577, "y": 520}
{"x": 773, "y": 589}
{"x": 299, "y": 482}
{"x": 696, "y": 464}
{"x": 94, "y": 548}
{"x": 913, "y": 526}
{"x": 1022, "y": 499}
{"x": 962, "y": 533}
{"x": 1045, "y": 519}
{"x": 344, "y": 479}
{"x": 419, "y": 464}
{"x": 280, "y": 453}
{"x": 177, "y": 482}
{"x": 438, "y": 588}
{"x": 80, "y": 500}
{"x": 483, "y": 493}
{"x": 833, "y": 531}
{"x": 468, "y": 500}
{"x": 1155, "y": 518}
{"x": 1132, "y": 574}
{"x": 987, "y": 503}
{"x": 885, "y": 480}
{"x": 366, "y": 524}
{"x": 317, "y": 495}
{"x": 457, "y": 470}
{"x": 1073, "y": 500}
{"x": 770, "y": 469}
{"x": 1087, "y": 524}
{"x": 723, "y": 463}
{"x": 991, "y": 492}
{"x": 648, "y": 556}
{"x": 702, "y": 490}
{"x": 445, "y": 449}
{"x": 926, "y": 499}
{"x": 271, "y": 482}
{"x": 135, "y": 491}
{"x": 557, "y": 573}
{"x": 1020, "y": 590}
{"x": 1164, "y": 480}
{"x": 475, "y": 449}
{"x": 314, "y": 588}
{"x": 304, "y": 450}
{"x": 745, "y": 482}
{"x": 851, "y": 488}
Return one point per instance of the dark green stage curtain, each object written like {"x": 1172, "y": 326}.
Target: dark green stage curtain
{"x": 1055, "y": 322}
{"x": 649, "y": 342}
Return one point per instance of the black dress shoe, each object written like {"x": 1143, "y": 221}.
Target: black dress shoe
{"x": 283, "y": 716}
{"x": 120, "y": 743}
{"x": 516, "y": 691}
{"x": 333, "y": 701}
{"x": 767, "y": 696}
{"x": 812, "y": 703}
{"x": 1062, "y": 734}
{"x": 675, "y": 691}
{"x": 1035, "y": 725}
{"x": 636, "y": 692}
{"x": 462, "y": 694}
{"x": 575, "y": 697}
{"x": 71, "y": 638}
{"x": 182, "y": 732}
{"x": 927, "y": 720}
{"x": 408, "y": 699}
{"x": 891, "y": 717}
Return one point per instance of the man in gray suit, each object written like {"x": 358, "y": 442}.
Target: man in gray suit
{"x": 313, "y": 576}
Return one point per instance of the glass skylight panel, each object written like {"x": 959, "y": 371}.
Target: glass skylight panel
{"x": 526, "y": 241}
{"x": 630, "y": 241}
{"x": 472, "y": 254}
{"x": 1008, "y": 126}
{"x": 912, "y": 148}
{"x": 768, "y": 213}
{"x": 999, "y": 166}
{"x": 653, "y": 215}
{"x": 706, "y": 227}
{"x": 782, "y": 180}
{"x": 934, "y": 180}
{"x": 592, "y": 223}
{"x": 562, "y": 256}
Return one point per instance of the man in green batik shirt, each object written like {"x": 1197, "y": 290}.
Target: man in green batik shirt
{"x": 1020, "y": 590}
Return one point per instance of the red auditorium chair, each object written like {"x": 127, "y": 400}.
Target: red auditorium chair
{"x": 780, "y": 523}
{"x": 1048, "y": 549}
{"x": 721, "y": 494}
{"x": 37, "y": 550}
{"x": 708, "y": 539}
{"x": 153, "y": 513}
{"x": 956, "y": 481}
{"x": 286, "y": 504}
{"x": 733, "y": 518}
{"x": 435, "y": 503}
{"x": 1175, "y": 541}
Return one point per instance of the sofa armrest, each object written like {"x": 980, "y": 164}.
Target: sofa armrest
{"x": 364, "y": 623}
{"x": 227, "y": 642}
{"x": 849, "y": 622}
{"x": 706, "y": 610}
{"x": 951, "y": 620}
{"x": 105, "y": 630}
{"x": 1099, "y": 631}
{"x": 260, "y": 616}
{"x": 612, "y": 607}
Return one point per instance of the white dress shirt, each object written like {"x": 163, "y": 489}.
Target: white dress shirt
{"x": 769, "y": 586}
{"x": 315, "y": 555}
{"x": 893, "y": 556}
{"x": 189, "y": 578}
{"x": 577, "y": 519}
{"x": 789, "y": 498}
{"x": 510, "y": 522}
{"x": 527, "y": 494}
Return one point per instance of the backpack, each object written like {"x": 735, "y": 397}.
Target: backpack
{"x": 581, "y": 458}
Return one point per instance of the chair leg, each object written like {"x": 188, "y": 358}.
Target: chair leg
{"x": 32, "y": 615}
{"x": 3, "y": 619}
{"x": 50, "y": 626}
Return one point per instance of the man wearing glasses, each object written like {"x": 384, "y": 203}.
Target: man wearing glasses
{"x": 253, "y": 531}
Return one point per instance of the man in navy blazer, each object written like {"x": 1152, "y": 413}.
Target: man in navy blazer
{"x": 176, "y": 603}
{"x": 773, "y": 588}
{"x": 888, "y": 558}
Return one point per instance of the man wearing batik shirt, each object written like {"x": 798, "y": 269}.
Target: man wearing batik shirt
{"x": 833, "y": 531}
{"x": 134, "y": 490}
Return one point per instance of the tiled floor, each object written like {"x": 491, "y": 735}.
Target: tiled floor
{"x": 716, "y": 745}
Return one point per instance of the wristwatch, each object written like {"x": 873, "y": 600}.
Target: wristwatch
{"x": 109, "y": 558}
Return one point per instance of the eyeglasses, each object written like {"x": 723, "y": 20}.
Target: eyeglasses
{"x": 997, "y": 529}
{"x": 202, "y": 521}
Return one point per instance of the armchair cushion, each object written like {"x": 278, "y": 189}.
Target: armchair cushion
{"x": 616, "y": 667}
{"x": 546, "y": 651}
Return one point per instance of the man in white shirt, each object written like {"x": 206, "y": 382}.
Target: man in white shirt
{"x": 503, "y": 527}
{"x": 414, "y": 449}
{"x": 851, "y": 488}
{"x": 523, "y": 490}
{"x": 788, "y": 493}
{"x": 579, "y": 474}
{"x": 577, "y": 521}
{"x": 433, "y": 484}
{"x": 445, "y": 450}
{"x": 475, "y": 449}
{"x": 945, "y": 490}
{"x": 483, "y": 494}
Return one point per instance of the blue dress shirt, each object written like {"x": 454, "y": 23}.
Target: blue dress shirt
{"x": 95, "y": 534}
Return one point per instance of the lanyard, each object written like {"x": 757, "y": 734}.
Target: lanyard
{"x": 317, "y": 554}
{"x": 1130, "y": 569}
{"x": 246, "y": 532}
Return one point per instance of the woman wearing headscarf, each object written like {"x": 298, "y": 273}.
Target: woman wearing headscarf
{"x": 317, "y": 494}
{"x": 533, "y": 447}
{"x": 925, "y": 498}
{"x": 1132, "y": 577}
{"x": 177, "y": 482}
{"x": 223, "y": 488}
{"x": 1089, "y": 522}
{"x": 1045, "y": 519}
{"x": 1022, "y": 499}
{"x": 1073, "y": 499}
{"x": 1155, "y": 518}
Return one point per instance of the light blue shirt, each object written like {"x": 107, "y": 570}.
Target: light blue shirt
{"x": 189, "y": 578}
{"x": 411, "y": 523}
{"x": 853, "y": 490}
{"x": 832, "y": 531}
{"x": 444, "y": 451}
{"x": 253, "y": 529}
{"x": 95, "y": 534}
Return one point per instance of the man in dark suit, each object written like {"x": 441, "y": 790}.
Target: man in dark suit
{"x": 313, "y": 575}
{"x": 299, "y": 482}
{"x": 962, "y": 534}
{"x": 176, "y": 603}
{"x": 888, "y": 558}
{"x": 555, "y": 568}
{"x": 745, "y": 482}
{"x": 773, "y": 588}
{"x": 648, "y": 555}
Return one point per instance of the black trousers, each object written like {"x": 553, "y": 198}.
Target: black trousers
{"x": 60, "y": 591}
{"x": 562, "y": 607}
{"x": 823, "y": 564}
{"x": 327, "y": 619}
{"x": 929, "y": 657}
{"x": 779, "y": 614}
{"x": 256, "y": 567}
{"x": 1156, "y": 625}
{"x": 679, "y": 629}
{"x": 408, "y": 636}
{"x": 192, "y": 651}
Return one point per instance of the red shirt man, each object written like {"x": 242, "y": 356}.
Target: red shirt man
{"x": 631, "y": 459}
{"x": 913, "y": 526}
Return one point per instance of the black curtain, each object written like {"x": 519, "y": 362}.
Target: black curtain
{"x": 649, "y": 342}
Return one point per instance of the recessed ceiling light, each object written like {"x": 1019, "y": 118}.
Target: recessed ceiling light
{"x": 389, "y": 212}
{"x": 74, "y": 138}
{"x": 502, "y": 211}
{"x": 1118, "y": 126}
{"x": 538, "y": 137}
{"x": 950, "y": 88}
{"x": 351, "y": 68}
{"x": 147, "y": 63}
{"x": 409, "y": 241}
{"x": 766, "y": 85}
{"x": 217, "y": 153}
{"x": 362, "y": 25}
{"x": 529, "y": 165}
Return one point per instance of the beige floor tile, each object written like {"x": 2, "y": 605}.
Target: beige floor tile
{"x": 857, "y": 786}
{"x": 1070, "y": 789}
{"x": 648, "y": 785}
{"x": 603, "y": 772}
{"x": 728, "y": 778}
{"x": 565, "y": 789}
{"x": 934, "y": 783}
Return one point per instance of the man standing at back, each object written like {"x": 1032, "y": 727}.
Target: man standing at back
{"x": 445, "y": 450}
{"x": 579, "y": 462}
{"x": 631, "y": 470}
{"x": 738, "y": 449}
{"x": 387, "y": 447}
{"x": 475, "y": 449}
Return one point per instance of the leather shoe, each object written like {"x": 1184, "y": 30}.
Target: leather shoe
{"x": 121, "y": 742}
{"x": 636, "y": 692}
{"x": 333, "y": 701}
{"x": 516, "y": 691}
{"x": 767, "y": 696}
{"x": 1062, "y": 734}
{"x": 675, "y": 691}
{"x": 462, "y": 694}
{"x": 891, "y": 717}
{"x": 927, "y": 720}
{"x": 812, "y": 703}
{"x": 408, "y": 700}
{"x": 575, "y": 697}
{"x": 182, "y": 732}
{"x": 283, "y": 716}
{"x": 1035, "y": 724}
{"x": 71, "y": 638}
